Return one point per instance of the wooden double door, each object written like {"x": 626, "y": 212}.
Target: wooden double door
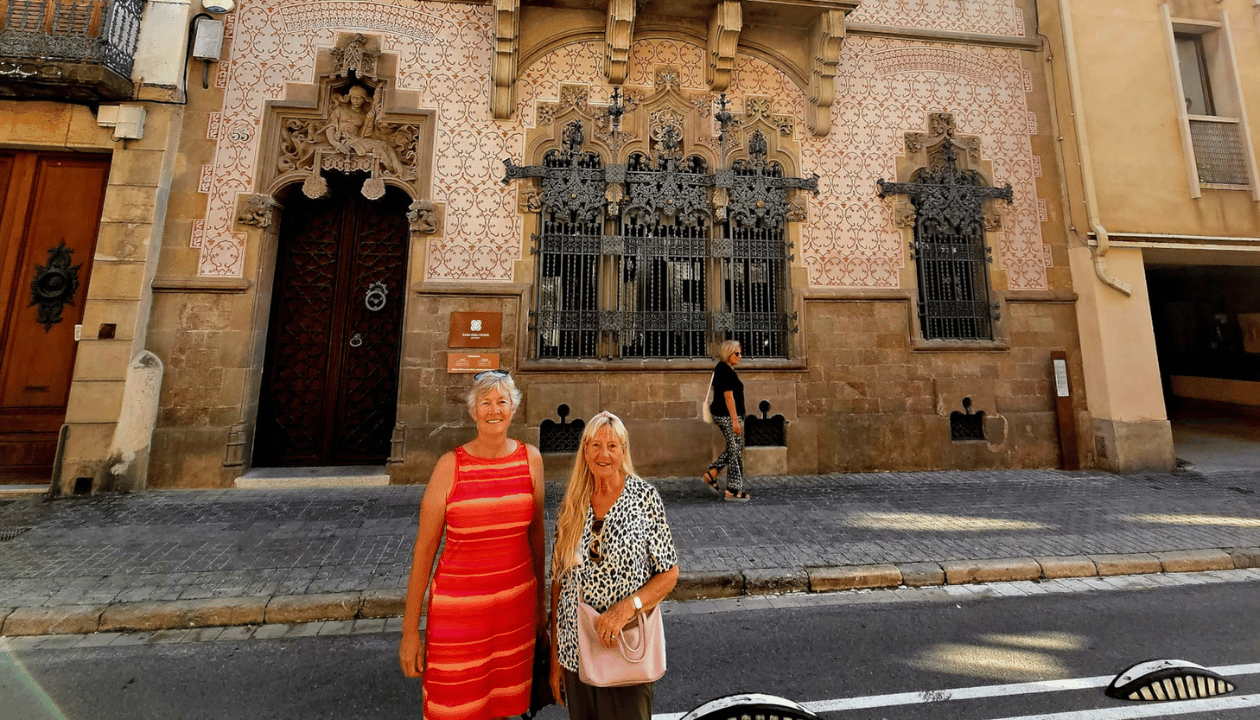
{"x": 330, "y": 382}
{"x": 50, "y": 210}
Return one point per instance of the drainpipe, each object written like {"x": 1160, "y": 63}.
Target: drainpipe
{"x": 1082, "y": 145}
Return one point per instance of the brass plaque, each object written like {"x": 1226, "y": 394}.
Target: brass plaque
{"x": 458, "y": 362}
{"x": 476, "y": 329}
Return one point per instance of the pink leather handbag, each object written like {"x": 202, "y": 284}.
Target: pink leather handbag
{"x": 638, "y": 657}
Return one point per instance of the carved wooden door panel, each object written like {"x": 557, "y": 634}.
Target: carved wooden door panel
{"x": 330, "y": 386}
{"x": 50, "y": 210}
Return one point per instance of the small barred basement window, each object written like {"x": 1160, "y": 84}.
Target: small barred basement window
{"x": 560, "y": 437}
{"x": 966, "y": 425}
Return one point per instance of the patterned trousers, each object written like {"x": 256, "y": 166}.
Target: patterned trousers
{"x": 732, "y": 458}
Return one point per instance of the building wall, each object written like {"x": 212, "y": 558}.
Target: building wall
{"x": 1129, "y": 196}
{"x": 859, "y": 384}
{"x": 125, "y": 258}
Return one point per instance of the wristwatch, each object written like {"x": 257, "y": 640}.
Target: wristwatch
{"x": 638, "y": 604}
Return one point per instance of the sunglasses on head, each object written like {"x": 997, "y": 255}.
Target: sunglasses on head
{"x": 492, "y": 373}
{"x": 597, "y": 531}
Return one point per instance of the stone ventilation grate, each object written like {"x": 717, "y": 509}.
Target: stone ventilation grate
{"x": 9, "y": 533}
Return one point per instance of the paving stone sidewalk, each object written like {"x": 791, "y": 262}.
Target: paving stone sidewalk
{"x": 165, "y": 559}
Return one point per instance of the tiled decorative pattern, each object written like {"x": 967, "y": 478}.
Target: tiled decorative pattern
{"x": 443, "y": 53}
{"x": 996, "y": 17}
{"x": 886, "y": 89}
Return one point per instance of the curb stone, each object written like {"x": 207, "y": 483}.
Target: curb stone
{"x": 1126, "y": 564}
{"x": 55, "y": 620}
{"x": 1244, "y": 558}
{"x": 157, "y": 615}
{"x": 1068, "y": 566}
{"x": 383, "y": 603}
{"x": 775, "y": 581}
{"x": 288, "y": 609}
{"x": 854, "y": 577}
{"x": 963, "y": 572}
{"x": 1194, "y": 560}
{"x": 708, "y": 585}
{"x": 921, "y": 574}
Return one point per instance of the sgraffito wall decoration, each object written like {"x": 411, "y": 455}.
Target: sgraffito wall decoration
{"x": 994, "y": 17}
{"x": 444, "y": 54}
{"x": 885, "y": 89}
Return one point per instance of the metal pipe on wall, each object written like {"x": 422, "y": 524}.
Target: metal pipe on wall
{"x": 1086, "y": 161}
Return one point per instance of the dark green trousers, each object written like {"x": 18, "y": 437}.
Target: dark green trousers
{"x": 586, "y": 702}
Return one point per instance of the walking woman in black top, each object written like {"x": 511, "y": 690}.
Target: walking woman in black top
{"x": 727, "y": 409}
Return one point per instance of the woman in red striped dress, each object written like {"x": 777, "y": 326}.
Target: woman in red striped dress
{"x": 486, "y": 604}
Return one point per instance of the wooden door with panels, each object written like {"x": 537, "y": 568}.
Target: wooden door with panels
{"x": 50, "y": 211}
{"x": 330, "y": 383}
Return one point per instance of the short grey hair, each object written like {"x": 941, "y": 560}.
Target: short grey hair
{"x": 728, "y": 349}
{"x": 490, "y": 381}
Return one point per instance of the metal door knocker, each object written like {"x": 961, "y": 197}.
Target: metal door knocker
{"x": 55, "y": 285}
{"x": 375, "y": 298}
{"x": 356, "y": 340}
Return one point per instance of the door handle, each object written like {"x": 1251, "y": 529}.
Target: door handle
{"x": 356, "y": 340}
{"x": 376, "y": 296}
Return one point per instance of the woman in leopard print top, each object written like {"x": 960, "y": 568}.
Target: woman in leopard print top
{"x": 612, "y": 541}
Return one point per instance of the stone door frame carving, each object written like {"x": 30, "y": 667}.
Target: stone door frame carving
{"x": 302, "y": 135}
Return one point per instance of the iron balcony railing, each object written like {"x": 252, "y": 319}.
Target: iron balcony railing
{"x": 98, "y": 32}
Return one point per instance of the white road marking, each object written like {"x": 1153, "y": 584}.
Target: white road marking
{"x": 1041, "y": 686}
{"x": 1154, "y": 709}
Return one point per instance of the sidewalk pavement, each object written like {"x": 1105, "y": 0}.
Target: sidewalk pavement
{"x": 203, "y": 558}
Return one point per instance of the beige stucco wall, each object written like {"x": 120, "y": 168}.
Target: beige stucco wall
{"x": 1128, "y": 197}
{"x": 1131, "y": 112}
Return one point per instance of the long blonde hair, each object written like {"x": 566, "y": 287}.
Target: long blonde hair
{"x": 577, "y": 497}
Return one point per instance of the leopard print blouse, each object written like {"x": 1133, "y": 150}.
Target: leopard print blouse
{"x": 635, "y": 543}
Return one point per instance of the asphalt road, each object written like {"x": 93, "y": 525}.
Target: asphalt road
{"x": 849, "y": 660}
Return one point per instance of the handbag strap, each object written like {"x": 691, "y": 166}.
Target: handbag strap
{"x": 642, "y": 649}
{"x": 621, "y": 636}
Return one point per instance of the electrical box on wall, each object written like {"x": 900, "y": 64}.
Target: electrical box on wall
{"x": 208, "y": 43}
{"x": 127, "y": 120}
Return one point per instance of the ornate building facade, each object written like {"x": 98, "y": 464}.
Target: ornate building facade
{"x": 866, "y": 195}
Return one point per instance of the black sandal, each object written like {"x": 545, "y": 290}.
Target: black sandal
{"x": 740, "y": 496}
{"x": 712, "y": 481}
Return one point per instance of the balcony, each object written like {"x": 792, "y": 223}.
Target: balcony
{"x": 72, "y": 50}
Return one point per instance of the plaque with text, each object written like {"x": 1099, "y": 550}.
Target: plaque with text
{"x": 476, "y": 329}
{"x": 458, "y": 362}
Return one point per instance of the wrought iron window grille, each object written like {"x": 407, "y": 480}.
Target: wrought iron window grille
{"x": 950, "y": 255}
{"x": 660, "y": 257}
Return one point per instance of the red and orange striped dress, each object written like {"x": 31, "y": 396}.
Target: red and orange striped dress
{"x": 480, "y": 632}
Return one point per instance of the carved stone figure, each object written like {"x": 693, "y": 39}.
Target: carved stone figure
{"x": 353, "y": 128}
{"x": 256, "y": 210}
{"x": 423, "y": 217}
{"x": 355, "y": 57}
